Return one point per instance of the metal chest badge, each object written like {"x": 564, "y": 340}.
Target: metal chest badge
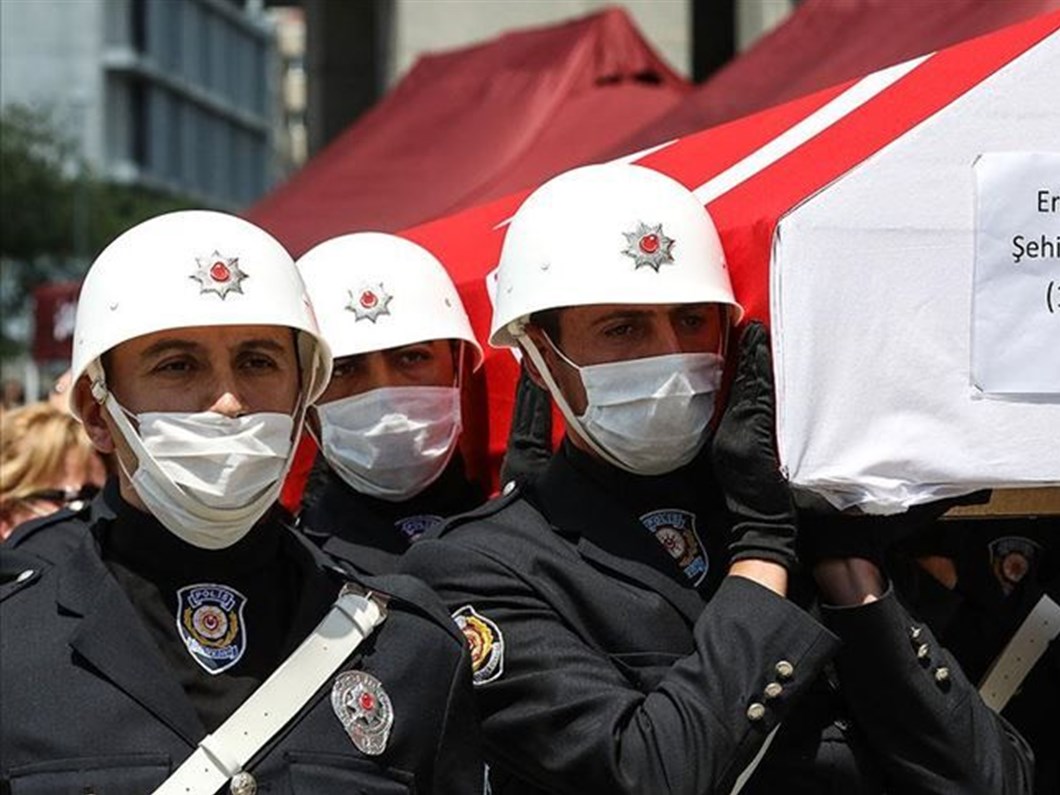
{"x": 364, "y": 708}
{"x": 1012, "y": 558}
{"x": 210, "y": 622}
{"x": 486, "y": 642}
{"x": 219, "y": 274}
{"x": 648, "y": 245}
{"x": 676, "y": 531}
{"x": 370, "y": 302}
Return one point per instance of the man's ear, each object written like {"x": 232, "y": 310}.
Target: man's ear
{"x": 92, "y": 417}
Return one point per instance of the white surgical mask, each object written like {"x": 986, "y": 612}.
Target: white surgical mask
{"x": 207, "y": 477}
{"x": 651, "y": 414}
{"x": 391, "y": 442}
{"x": 648, "y": 416}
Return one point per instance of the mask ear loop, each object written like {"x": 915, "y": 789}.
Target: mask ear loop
{"x": 101, "y": 393}
{"x": 518, "y": 330}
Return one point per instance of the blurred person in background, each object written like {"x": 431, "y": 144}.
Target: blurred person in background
{"x": 46, "y": 463}
{"x": 12, "y": 393}
{"x": 389, "y": 422}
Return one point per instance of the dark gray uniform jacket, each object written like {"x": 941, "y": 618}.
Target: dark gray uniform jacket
{"x": 90, "y": 705}
{"x": 598, "y": 671}
{"x": 370, "y": 534}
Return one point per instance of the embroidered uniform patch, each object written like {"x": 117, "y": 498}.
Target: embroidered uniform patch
{"x": 676, "y": 531}
{"x": 412, "y": 527}
{"x": 364, "y": 708}
{"x": 210, "y": 622}
{"x": 486, "y": 642}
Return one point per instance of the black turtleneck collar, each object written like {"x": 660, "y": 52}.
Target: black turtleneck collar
{"x": 333, "y": 507}
{"x": 690, "y": 487}
{"x": 140, "y": 542}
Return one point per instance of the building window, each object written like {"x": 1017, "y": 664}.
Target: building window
{"x": 138, "y": 25}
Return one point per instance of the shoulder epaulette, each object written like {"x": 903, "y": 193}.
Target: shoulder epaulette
{"x": 18, "y": 570}
{"x": 510, "y": 494}
{"x": 412, "y": 595}
{"x": 51, "y": 547}
{"x": 27, "y": 529}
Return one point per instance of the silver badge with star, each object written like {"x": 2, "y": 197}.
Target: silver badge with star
{"x": 364, "y": 708}
{"x": 648, "y": 245}
{"x": 219, "y": 274}
{"x": 369, "y": 302}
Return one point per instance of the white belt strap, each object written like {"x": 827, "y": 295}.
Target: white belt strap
{"x": 222, "y": 754}
{"x": 1025, "y": 648}
{"x": 753, "y": 766}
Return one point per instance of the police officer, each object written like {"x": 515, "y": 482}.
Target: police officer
{"x": 624, "y": 639}
{"x": 389, "y": 422}
{"x": 976, "y": 582}
{"x": 187, "y": 640}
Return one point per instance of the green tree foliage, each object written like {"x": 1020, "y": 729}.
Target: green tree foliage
{"x": 35, "y": 193}
{"x": 55, "y": 214}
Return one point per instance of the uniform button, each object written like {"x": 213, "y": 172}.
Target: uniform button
{"x": 25, "y": 575}
{"x": 773, "y": 689}
{"x": 915, "y": 633}
{"x": 509, "y": 487}
{"x": 756, "y": 712}
{"x": 243, "y": 784}
{"x": 785, "y": 670}
{"x": 922, "y": 651}
{"x": 942, "y": 674}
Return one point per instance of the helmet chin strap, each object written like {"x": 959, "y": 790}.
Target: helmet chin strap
{"x": 573, "y": 423}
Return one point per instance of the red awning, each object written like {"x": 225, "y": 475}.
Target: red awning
{"x": 826, "y": 42}
{"x": 471, "y": 125}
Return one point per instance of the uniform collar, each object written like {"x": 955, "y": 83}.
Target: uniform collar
{"x": 110, "y": 636}
{"x": 584, "y": 500}
{"x": 142, "y": 543}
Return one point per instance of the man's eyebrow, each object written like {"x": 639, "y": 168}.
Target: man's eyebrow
{"x": 620, "y": 314}
{"x": 262, "y": 344}
{"x": 166, "y": 346}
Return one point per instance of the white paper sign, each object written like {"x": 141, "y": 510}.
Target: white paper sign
{"x": 1016, "y": 301}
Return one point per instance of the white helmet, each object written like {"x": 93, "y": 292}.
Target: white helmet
{"x": 373, "y": 291}
{"x": 194, "y": 268}
{"x": 608, "y": 234}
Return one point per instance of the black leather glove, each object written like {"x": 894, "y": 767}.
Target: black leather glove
{"x": 530, "y": 438}
{"x": 844, "y": 535}
{"x": 745, "y": 459}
